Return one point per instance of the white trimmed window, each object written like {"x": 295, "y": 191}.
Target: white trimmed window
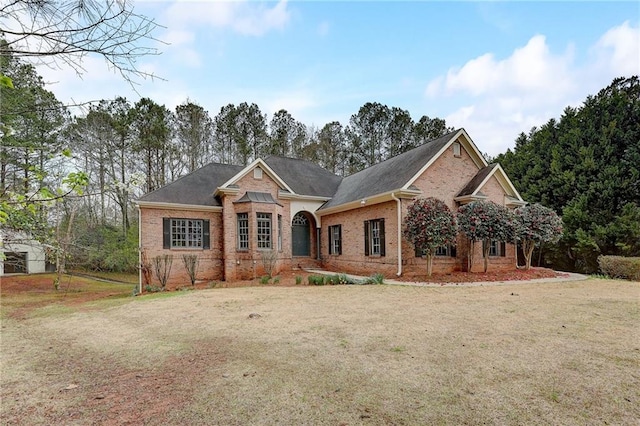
{"x": 243, "y": 231}
{"x": 498, "y": 248}
{"x": 279, "y": 232}
{"x": 264, "y": 230}
{"x": 335, "y": 239}
{"x": 374, "y": 237}
{"x": 185, "y": 233}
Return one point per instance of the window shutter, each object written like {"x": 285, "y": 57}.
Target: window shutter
{"x": 166, "y": 232}
{"x": 329, "y": 244}
{"x": 503, "y": 249}
{"x": 418, "y": 252}
{"x": 206, "y": 235}
{"x": 339, "y": 239}
{"x": 382, "y": 252}
{"x": 453, "y": 251}
{"x": 366, "y": 238}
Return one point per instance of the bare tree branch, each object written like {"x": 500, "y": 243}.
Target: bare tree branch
{"x": 63, "y": 32}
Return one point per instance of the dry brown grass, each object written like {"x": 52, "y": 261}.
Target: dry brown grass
{"x": 557, "y": 353}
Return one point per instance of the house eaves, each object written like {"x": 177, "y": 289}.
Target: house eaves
{"x": 369, "y": 201}
{"x": 174, "y": 206}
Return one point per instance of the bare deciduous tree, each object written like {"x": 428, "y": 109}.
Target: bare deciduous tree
{"x": 190, "y": 262}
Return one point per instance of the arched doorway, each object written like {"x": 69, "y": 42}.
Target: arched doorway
{"x": 301, "y": 235}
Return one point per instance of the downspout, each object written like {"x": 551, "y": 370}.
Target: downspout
{"x": 393, "y": 195}
{"x": 139, "y": 250}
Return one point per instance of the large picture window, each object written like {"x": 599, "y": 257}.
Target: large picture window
{"x": 185, "y": 233}
{"x": 243, "y": 231}
{"x": 264, "y": 230}
{"x": 374, "y": 237}
{"x": 335, "y": 239}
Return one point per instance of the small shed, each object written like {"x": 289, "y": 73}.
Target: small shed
{"x": 21, "y": 255}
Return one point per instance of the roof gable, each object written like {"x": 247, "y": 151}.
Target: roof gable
{"x": 396, "y": 173}
{"x": 483, "y": 176}
{"x": 231, "y": 182}
{"x": 461, "y": 136}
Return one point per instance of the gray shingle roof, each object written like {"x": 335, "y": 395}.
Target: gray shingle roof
{"x": 388, "y": 175}
{"x": 304, "y": 177}
{"x": 196, "y": 188}
{"x": 473, "y": 184}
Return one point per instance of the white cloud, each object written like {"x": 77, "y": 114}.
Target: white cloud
{"x": 618, "y": 50}
{"x": 243, "y": 17}
{"x": 503, "y": 97}
{"x": 530, "y": 68}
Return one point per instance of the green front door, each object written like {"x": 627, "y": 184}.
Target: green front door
{"x": 301, "y": 235}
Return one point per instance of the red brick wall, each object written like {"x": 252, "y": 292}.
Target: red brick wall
{"x": 444, "y": 179}
{"x": 242, "y": 264}
{"x": 210, "y": 260}
{"x": 353, "y": 260}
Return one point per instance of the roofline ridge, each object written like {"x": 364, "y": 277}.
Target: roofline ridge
{"x": 403, "y": 153}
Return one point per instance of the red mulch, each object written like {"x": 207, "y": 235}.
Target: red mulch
{"x": 494, "y": 276}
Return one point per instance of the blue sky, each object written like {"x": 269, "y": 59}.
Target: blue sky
{"x": 494, "y": 68}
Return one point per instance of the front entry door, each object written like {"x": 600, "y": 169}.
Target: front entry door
{"x": 300, "y": 236}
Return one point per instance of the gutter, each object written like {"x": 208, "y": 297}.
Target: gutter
{"x": 393, "y": 195}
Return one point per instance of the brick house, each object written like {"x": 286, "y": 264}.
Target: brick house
{"x": 234, "y": 218}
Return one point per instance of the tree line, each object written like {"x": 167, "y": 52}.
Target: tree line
{"x": 121, "y": 149}
{"x": 586, "y": 167}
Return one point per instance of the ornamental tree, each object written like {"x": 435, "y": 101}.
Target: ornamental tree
{"x": 538, "y": 224}
{"x": 430, "y": 224}
{"x": 485, "y": 221}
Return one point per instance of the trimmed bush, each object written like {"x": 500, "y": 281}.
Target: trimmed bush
{"x": 315, "y": 280}
{"x": 620, "y": 267}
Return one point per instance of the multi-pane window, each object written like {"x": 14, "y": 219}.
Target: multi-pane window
{"x": 279, "y": 232}
{"x": 243, "y": 231}
{"x": 178, "y": 233}
{"x": 446, "y": 251}
{"x": 264, "y": 230}
{"x": 335, "y": 239}
{"x": 186, "y": 233}
{"x": 497, "y": 248}
{"x": 374, "y": 237}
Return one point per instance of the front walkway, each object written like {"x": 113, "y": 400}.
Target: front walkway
{"x": 566, "y": 277}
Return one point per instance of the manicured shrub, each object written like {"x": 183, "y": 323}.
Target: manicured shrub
{"x": 430, "y": 224}
{"x": 486, "y": 221}
{"x": 536, "y": 225}
{"x": 620, "y": 267}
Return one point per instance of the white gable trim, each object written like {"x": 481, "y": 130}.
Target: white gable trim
{"x": 502, "y": 179}
{"x": 465, "y": 140}
{"x": 256, "y": 163}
